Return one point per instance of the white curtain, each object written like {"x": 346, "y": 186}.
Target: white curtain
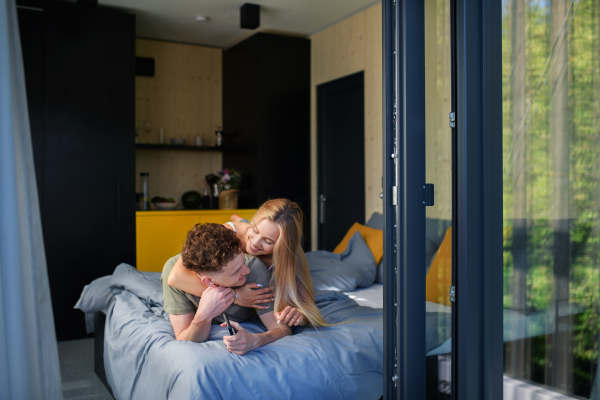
{"x": 29, "y": 367}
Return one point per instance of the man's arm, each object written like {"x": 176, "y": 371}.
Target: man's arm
{"x": 243, "y": 341}
{"x": 187, "y": 329}
{"x": 195, "y": 327}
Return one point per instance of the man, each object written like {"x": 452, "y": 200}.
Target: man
{"x": 214, "y": 253}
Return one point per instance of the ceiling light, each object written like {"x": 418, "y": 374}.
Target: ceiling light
{"x": 201, "y": 18}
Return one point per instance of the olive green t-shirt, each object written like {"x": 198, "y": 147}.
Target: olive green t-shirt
{"x": 179, "y": 302}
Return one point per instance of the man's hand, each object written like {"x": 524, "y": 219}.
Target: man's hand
{"x": 250, "y": 296}
{"x": 214, "y": 301}
{"x": 242, "y": 342}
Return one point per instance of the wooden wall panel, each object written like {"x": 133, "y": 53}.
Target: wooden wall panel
{"x": 185, "y": 98}
{"x": 350, "y": 46}
{"x": 172, "y": 172}
{"x": 438, "y": 103}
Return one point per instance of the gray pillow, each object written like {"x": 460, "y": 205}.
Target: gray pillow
{"x": 96, "y": 296}
{"x": 355, "y": 267}
{"x": 145, "y": 285}
{"x": 438, "y": 329}
{"x": 376, "y": 222}
{"x": 380, "y": 269}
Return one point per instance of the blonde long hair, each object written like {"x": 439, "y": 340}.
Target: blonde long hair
{"x": 291, "y": 276}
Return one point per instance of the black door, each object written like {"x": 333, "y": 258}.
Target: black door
{"x": 341, "y": 158}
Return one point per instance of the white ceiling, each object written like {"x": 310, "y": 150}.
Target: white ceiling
{"x": 174, "y": 20}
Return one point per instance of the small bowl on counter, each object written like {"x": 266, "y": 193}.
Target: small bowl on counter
{"x": 177, "y": 142}
{"x": 165, "y": 206}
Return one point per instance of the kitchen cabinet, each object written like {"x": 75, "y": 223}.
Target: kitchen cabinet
{"x": 266, "y": 119}
{"x": 161, "y": 234}
{"x": 79, "y": 73}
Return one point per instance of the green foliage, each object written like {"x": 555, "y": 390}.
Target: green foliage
{"x": 583, "y": 112}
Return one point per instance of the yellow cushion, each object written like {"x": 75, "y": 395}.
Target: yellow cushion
{"x": 373, "y": 238}
{"x": 439, "y": 277}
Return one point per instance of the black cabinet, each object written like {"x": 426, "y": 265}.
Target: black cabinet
{"x": 79, "y": 72}
{"x": 266, "y": 119}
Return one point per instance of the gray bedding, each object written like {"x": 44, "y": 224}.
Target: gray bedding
{"x": 144, "y": 361}
{"x": 353, "y": 268}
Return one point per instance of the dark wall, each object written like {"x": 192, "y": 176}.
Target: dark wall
{"x": 266, "y": 116}
{"x": 79, "y": 70}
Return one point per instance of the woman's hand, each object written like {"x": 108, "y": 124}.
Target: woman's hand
{"x": 290, "y": 316}
{"x": 249, "y": 296}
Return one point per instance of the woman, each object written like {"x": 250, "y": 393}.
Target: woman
{"x": 274, "y": 235}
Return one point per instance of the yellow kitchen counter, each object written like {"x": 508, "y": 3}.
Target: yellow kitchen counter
{"x": 161, "y": 234}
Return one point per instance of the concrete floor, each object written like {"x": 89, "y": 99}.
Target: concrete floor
{"x": 77, "y": 371}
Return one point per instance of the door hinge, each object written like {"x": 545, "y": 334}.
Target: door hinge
{"x": 452, "y": 294}
{"x": 394, "y": 195}
{"x": 452, "y": 120}
{"x": 427, "y": 194}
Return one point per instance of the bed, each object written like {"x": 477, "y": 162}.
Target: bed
{"x": 139, "y": 358}
{"x": 137, "y": 355}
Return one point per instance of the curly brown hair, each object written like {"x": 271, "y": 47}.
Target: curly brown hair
{"x": 209, "y": 247}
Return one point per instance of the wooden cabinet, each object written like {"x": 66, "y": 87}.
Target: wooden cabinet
{"x": 79, "y": 73}
{"x": 266, "y": 119}
{"x": 161, "y": 234}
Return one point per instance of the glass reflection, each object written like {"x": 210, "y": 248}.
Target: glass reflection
{"x": 551, "y": 150}
{"x": 438, "y": 148}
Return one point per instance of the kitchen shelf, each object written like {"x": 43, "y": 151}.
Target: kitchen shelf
{"x": 172, "y": 147}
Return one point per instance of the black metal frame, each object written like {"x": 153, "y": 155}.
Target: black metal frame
{"x": 477, "y": 340}
{"x": 477, "y": 193}
{"x": 389, "y": 211}
{"x": 404, "y": 173}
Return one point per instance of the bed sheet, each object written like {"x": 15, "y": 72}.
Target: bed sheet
{"x": 516, "y": 325}
{"x": 372, "y": 296}
{"x": 143, "y": 360}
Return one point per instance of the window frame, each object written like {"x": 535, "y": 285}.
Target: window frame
{"x": 477, "y": 365}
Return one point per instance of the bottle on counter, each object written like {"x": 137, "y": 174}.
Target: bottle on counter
{"x": 145, "y": 194}
{"x": 206, "y": 200}
{"x": 215, "y": 199}
{"x": 219, "y": 134}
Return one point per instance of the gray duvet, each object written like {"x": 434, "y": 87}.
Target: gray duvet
{"x": 144, "y": 361}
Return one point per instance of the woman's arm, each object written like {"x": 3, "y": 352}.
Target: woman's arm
{"x": 291, "y": 317}
{"x": 183, "y": 279}
{"x": 236, "y": 218}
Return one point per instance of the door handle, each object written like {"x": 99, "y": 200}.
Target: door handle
{"x": 322, "y": 201}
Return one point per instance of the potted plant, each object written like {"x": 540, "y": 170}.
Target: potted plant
{"x": 229, "y": 181}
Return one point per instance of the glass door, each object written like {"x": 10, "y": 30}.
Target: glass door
{"x": 551, "y": 181}
{"x": 439, "y": 157}
{"x": 418, "y": 198}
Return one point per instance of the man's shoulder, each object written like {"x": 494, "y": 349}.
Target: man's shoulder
{"x": 168, "y": 267}
{"x": 259, "y": 273}
{"x": 254, "y": 263}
